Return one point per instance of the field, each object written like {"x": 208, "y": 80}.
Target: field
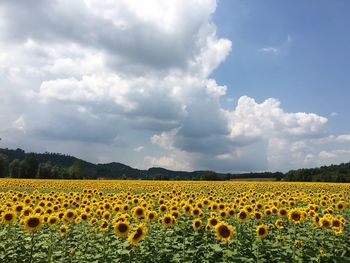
{"x": 163, "y": 221}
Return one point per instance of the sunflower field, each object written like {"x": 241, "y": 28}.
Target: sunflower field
{"x": 179, "y": 221}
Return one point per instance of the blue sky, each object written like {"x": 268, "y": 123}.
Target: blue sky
{"x": 309, "y": 73}
{"x": 231, "y": 86}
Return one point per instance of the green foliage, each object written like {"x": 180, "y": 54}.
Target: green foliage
{"x": 15, "y": 168}
{"x": 210, "y": 176}
{"x": 332, "y": 173}
{"x": 3, "y": 165}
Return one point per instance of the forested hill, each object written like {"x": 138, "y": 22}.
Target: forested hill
{"x": 18, "y": 163}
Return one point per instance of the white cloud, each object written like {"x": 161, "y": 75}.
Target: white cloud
{"x": 277, "y": 49}
{"x": 139, "y": 149}
{"x": 81, "y": 74}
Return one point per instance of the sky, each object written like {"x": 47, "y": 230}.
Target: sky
{"x": 230, "y": 86}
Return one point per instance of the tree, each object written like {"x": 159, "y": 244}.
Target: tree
{"x": 210, "y": 176}
{"x": 15, "y": 168}
{"x": 3, "y": 165}
{"x": 76, "y": 171}
{"x": 44, "y": 171}
{"x": 29, "y": 166}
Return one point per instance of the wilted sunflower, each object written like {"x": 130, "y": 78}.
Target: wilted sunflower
{"x": 138, "y": 235}
{"x": 122, "y": 229}
{"x": 8, "y": 217}
{"x": 224, "y": 231}
{"x": 197, "y": 224}
{"x": 262, "y": 231}
{"x": 33, "y": 223}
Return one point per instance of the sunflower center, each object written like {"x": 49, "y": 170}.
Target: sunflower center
{"x": 122, "y": 228}
{"x": 8, "y": 217}
{"x": 262, "y": 231}
{"x": 139, "y": 211}
{"x": 213, "y": 222}
{"x": 70, "y": 214}
{"x": 33, "y": 222}
{"x": 167, "y": 220}
{"x": 197, "y": 224}
{"x": 242, "y": 215}
{"x": 224, "y": 231}
{"x": 296, "y": 216}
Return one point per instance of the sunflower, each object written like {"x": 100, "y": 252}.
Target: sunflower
{"x": 323, "y": 252}
{"x": 212, "y": 222}
{"x": 53, "y": 220}
{"x": 138, "y": 212}
{"x": 64, "y": 230}
{"x": 138, "y": 235}
{"x": 282, "y": 212}
{"x": 104, "y": 226}
{"x": 8, "y": 217}
{"x": 122, "y": 229}
{"x": 196, "y": 224}
{"x": 33, "y": 223}
{"x": 224, "y": 231}
{"x": 262, "y": 231}
{"x": 106, "y": 215}
{"x": 26, "y": 211}
{"x": 279, "y": 223}
{"x": 151, "y": 216}
{"x": 325, "y": 222}
{"x": 280, "y": 240}
{"x": 340, "y": 205}
{"x": 168, "y": 220}
{"x": 243, "y": 215}
{"x": 295, "y": 216}
{"x": 163, "y": 209}
{"x": 298, "y": 243}
{"x": 70, "y": 215}
{"x": 258, "y": 216}
{"x": 19, "y": 208}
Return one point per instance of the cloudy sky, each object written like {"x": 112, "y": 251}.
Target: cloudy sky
{"x": 231, "y": 86}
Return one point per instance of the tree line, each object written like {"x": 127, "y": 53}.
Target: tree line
{"x": 18, "y": 164}
{"x": 30, "y": 167}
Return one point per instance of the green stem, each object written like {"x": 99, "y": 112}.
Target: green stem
{"x": 32, "y": 248}
{"x": 51, "y": 246}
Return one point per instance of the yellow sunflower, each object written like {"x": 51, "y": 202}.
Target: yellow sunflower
{"x": 243, "y": 215}
{"x": 224, "y": 231}
{"x": 8, "y": 216}
{"x": 33, "y": 223}
{"x": 295, "y": 216}
{"x": 138, "y": 235}
{"x": 262, "y": 231}
{"x": 122, "y": 229}
{"x": 197, "y": 224}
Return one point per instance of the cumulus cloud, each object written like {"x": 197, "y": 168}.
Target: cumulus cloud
{"x": 135, "y": 76}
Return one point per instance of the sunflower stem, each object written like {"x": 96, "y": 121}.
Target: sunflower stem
{"x": 32, "y": 248}
{"x": 51, "y": 246}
